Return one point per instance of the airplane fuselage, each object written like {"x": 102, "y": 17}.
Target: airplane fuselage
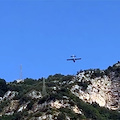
{"x": 73, "y": 60}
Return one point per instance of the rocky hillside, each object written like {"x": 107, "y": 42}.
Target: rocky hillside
{"x": 102, "y": 87}
{"x": 90, "y": 95}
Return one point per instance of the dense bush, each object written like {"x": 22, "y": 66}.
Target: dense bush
{"x": 29, "y": 81}
{"x": 3, "y": 87}
{"x": 83, "y": 84}
{"x": 97, "y": 73}
{"x": 61, "y": 116}
{"x": 3, "y": 104}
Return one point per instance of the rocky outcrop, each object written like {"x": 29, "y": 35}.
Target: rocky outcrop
{"x": 102, "y": 90}
{"x": 11, "y": 108}
{"x": 9, "y": 95}
{"x": 34, "y": 94}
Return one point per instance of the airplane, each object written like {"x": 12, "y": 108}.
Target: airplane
{"x": 74, "y": 58}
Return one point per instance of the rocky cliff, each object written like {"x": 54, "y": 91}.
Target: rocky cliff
{"x": 104, "y": 90}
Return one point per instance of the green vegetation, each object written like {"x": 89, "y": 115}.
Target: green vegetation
{"x": 97, "y": 73}
{"x": 68, "y": 112}
{"x": 3, "y": 104}
{"x": 94, "y": 111}
{"x": 3, "y": 87}
{"x": 114, "y": 69}
{"x": 15, "y": 116}
{"x": 84, "y": 84}
{"x": 90, "y": 111}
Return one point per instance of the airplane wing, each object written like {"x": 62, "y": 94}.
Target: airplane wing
{"x": 70, "y": 59}
{"x": 77, "y": 58}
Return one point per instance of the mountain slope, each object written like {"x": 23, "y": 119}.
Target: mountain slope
{"x": 91, "y": 94}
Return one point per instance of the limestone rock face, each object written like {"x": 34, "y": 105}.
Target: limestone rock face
{"x": 102, "y": 90}
{"x": 35, "y": 94}
{"x": 9, "y": 95}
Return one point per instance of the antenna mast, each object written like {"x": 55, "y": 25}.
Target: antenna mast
{"x": 44, "y": 88}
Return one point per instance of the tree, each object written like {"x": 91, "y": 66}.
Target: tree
{"x": 3, "y": 87}
{"x": 61, "y": 116}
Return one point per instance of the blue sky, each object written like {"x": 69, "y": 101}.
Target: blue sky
{"x": 41, "y": 35}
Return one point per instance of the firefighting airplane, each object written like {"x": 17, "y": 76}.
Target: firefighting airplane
{"x": 74, "y": 58}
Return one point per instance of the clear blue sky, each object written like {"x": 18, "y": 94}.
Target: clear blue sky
{"x": 42, "y": 34}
